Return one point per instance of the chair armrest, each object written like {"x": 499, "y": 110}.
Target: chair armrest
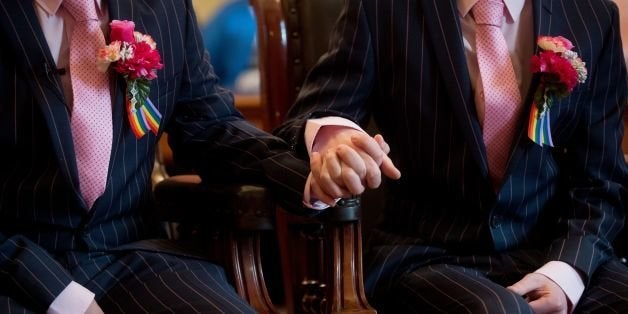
{"x": 183, "y": 198}
{"x": 227, "y": 221}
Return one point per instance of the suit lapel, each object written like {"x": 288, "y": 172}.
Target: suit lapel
{"x": 542, "y": 17}
{"x": 543, "y": 20}
{"x": 118, "y": 85}
{"x": 447, "y": 40}
{"x": 121, "y": 10}
{"x": 26, "y": 39}
{"x": 130, "y": 11}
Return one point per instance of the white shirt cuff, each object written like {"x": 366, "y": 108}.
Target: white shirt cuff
{"x": 566, "y": 277}
{"x": 313, "y": 125}
{"x": 73, "y": 299}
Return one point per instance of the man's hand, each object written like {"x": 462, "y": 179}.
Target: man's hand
{"x": 348, "y": 162}
{"x": 543, "y": 294}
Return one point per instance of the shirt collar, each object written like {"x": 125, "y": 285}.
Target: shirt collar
{"x": 52, "y": 6}
{"x": 513, "y": 8}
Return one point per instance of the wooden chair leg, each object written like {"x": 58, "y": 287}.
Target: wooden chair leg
{"x": 246, "y": 255}
{"x": 344, "y": 260}
{"x": 345, "y": 271}
{"x": 301, "y": 252}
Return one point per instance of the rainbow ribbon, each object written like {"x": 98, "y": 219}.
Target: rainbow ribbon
{"x": 142, "y": 117}
{"x": 539, "y": 130}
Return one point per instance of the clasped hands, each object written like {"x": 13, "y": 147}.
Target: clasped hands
{"x": 347, "y": 162}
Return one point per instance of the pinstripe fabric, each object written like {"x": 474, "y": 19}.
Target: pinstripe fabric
{"x": 402, "y": 62}
{"x": 42, "y": 222}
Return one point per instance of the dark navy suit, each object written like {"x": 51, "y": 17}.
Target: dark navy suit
{"x": 447, "y": 239}
{"x": 48, "y": 237}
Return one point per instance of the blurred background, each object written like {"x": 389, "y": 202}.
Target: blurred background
{"x": 229, "y": 31}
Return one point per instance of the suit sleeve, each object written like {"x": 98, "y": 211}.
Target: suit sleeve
{"x": 341, "y": 83}
{"x": 28, "y": 274}
{"x": 208, "y": 133}
{"x": 594, "y": 166}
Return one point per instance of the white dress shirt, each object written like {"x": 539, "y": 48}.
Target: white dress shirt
{"x": 518, "y": 30}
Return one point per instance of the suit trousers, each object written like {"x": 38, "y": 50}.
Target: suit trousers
{"x": 419, "y": 279}
{"x": 148, "y": 281}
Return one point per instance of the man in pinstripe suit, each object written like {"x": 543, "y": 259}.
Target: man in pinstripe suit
{"x": 449, "y": 240}
{"x": 59, "y": 255}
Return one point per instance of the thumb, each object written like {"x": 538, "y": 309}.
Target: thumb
{"x": 522, "y": 287}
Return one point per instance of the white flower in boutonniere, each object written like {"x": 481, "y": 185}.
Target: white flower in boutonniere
{"x": 136, "y": 57}
{"x": 560, "y": 70}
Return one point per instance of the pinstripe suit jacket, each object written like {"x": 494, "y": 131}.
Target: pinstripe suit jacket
{"x": 41, "y": 210}
{"x": 402, "y": 62}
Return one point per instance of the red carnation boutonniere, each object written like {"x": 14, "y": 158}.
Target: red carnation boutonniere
{"x": 560, "y": 70}
{"x": 135, "y": 56}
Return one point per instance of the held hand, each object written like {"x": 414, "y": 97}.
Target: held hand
{"x": 543, "y": 294}
{"x": 348, "y": 162}
{"x": 328, "y": 170}
{"x": 378, "y": 149}
{"x": 315, "y": 187}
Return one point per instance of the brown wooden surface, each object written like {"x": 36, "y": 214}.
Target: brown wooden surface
{"x": 273, "y": 60}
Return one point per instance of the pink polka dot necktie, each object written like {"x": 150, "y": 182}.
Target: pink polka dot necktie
{"x": 502, "y": 97}
{"x": 91, "y": 110}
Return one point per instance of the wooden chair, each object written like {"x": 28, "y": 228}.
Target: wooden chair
{"x": 321, "y": 257}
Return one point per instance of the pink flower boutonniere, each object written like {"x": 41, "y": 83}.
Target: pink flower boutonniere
{"x": 560, "y": 70}
{"x": 135, "y": 56}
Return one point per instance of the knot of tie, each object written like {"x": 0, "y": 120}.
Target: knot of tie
{"x": 489, "y": 12}
{"x": 81, "y": 10}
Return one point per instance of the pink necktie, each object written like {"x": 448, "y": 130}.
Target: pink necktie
{"x": 501, "y": 92}
{"x": 91, "y": 111}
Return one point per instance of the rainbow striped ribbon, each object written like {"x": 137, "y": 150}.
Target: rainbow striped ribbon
{"x": 539, "y": 130}
{"x": 143, "y": 115}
